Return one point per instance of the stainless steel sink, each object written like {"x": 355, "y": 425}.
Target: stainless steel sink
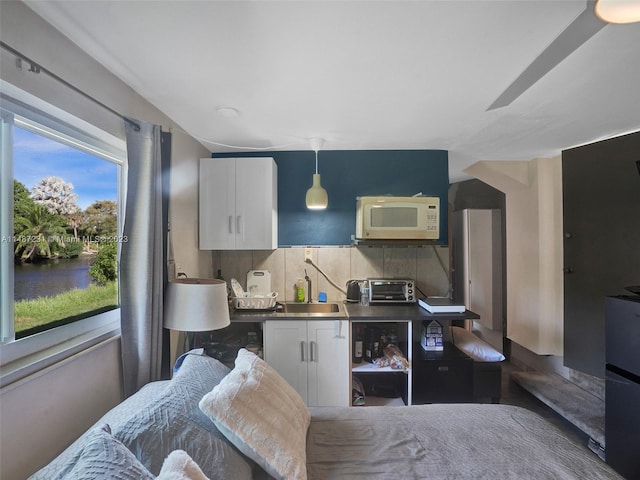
{"x": 310, "y": 308}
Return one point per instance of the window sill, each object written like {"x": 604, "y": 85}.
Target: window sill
{"x": 30, "y": 355}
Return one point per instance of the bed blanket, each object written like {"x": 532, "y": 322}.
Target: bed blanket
{"x": 444, "y": 441}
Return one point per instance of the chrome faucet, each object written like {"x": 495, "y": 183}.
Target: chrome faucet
{"x": 309, "y": 295}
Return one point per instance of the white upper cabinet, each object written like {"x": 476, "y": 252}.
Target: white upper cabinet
{"x": 238, "y": 203}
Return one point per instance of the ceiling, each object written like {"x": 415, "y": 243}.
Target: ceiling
{"x": 372, "y": 74}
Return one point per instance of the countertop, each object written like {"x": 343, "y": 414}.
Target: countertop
{"x": 401, "y": 312}
{"x": 354, "y": 311}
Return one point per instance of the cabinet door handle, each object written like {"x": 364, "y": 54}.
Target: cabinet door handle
{"x": 302, "y": 349}
{"x": 230, "y": 223}
{"x": 311, "y": 350}
{"x": 238, "y": 224}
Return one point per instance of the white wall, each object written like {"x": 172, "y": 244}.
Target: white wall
{"x": 533, "y": 195}
{"x": 41, "y": 414}
{"x": 183, "y": 209}
{"x": 23, "y": 30}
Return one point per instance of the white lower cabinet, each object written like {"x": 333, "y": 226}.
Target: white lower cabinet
{"x": 311, "y": 356}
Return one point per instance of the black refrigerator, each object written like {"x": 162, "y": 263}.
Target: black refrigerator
{"x": 622, "y": 394}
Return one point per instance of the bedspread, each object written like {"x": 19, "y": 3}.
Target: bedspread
{"x": 446, "y": 441}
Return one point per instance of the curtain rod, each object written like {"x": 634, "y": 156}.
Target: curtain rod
{"x": 37, "y": 68}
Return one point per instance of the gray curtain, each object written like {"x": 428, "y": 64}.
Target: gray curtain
{"x": 142, "y": 258}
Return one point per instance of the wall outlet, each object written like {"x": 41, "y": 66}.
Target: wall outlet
{"x": 308, "y": 253}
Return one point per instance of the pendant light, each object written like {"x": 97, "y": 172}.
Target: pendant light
{"x": 317, "y": 198}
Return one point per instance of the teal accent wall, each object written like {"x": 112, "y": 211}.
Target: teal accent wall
{"x": 347, "y": 174}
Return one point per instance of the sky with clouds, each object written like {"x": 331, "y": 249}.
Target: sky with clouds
{"x": 36, "y": 157}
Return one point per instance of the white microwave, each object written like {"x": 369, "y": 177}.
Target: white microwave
{"x": 402, "y": 218}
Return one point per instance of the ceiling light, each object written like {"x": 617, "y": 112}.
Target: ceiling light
{"x": 228, "y": 112}
{"x": 317, "y": 198}
{"x": 618, "y": 11}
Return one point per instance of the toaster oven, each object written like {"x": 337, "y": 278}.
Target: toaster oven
{"x": 391, "y": 290}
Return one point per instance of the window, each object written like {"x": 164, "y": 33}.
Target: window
{"x": 60, "y": 221}
{"x": 65, "y": 232}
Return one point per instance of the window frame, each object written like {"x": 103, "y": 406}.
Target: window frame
{"x": 30, "y": 354}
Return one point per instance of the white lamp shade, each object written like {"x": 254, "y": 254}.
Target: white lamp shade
{"x": 196, "y": 305}
{"x": 317, "y": 197}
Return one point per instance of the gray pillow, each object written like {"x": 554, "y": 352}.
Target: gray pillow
{"x": 173, "y": 421}
{"x": 103, "y": 457}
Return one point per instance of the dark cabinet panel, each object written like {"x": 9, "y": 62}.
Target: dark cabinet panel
{"x": 442, "y": 377}
{"x": 622, "y": 425}
{"x": 601, "y": 216}
{"x": 622, "y": 420}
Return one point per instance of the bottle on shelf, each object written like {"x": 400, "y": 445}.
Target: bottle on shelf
{"x": 300, "y": 291}
{"x": 371, "y": 343}
{"x": 393, "y": 338}
{"x": 364, "y": 293}
{"x": 357, "y": 344}
{"x": 384, "y": 341}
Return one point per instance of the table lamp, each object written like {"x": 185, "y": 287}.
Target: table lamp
{"x": 196, "y": 305}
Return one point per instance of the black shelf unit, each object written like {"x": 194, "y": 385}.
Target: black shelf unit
{"x": 441, "y": 377}
{"x": 383, "y": 383}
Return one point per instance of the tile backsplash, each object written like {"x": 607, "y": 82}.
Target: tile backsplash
{"x": 428, "y": 265}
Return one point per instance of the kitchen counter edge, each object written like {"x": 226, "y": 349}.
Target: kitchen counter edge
{"x": 356, "y": 312}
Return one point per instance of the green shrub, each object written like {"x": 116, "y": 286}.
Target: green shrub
{"x": 103, "y": 269}
{"x": 70, "y": 250}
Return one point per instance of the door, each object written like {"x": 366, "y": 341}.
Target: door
{"x": 328, "y": 366}
{"x": 600, "y": 204}
{"x": 286, "y": 350}
{"x": 484, "y": 263}
{"x": 217, "y": 225}
{"x": 256, "y": 203}
{"x": 477, "y": 271}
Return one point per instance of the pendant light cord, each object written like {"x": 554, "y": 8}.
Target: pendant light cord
{"x": 316, "y": 162}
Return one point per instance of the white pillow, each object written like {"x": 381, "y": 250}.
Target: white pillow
{"x": 474, "y": 347}
{"x": 262, "y": 415}
{"x": 180, "y": 466}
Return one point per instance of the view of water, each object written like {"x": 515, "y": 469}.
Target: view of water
{"x": 46, "y": 279}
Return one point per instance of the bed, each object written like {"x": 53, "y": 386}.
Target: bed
{"x": 247, "y": 423}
